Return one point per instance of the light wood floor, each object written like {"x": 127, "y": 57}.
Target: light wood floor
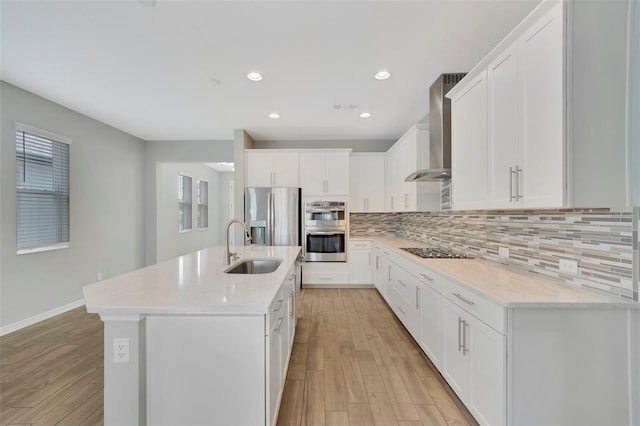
{"x": 352, "y": 364}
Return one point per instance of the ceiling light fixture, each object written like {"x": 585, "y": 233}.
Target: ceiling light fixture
{"x": 365, "y": 115}
{"x": 274, "y": 115}
{"x": 254, "y": 76}
{"x": 382, "y": 75}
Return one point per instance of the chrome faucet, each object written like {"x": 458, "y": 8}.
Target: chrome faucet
{"x": 228, "y": 252}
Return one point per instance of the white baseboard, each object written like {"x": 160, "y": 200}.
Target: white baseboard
{"x": 40, "y": 317}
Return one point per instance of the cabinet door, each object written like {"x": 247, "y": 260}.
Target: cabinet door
{"x": 431, "y": 323}
{"x": 487, "y": 399}
{"x": 408, "y": 165}
{"x": 504, "y": 128}
{"x": 274, "y": 351}
{"x": 383, "y": 274}
{"x": 392, "y": 202}
{"x": 259, "y": 169}
{"x": 469, "y": 146}
{"x": 337, "y": 174}
{"x": 457, "y": 364}
{"x": 360, "y": 267}
{"x": 357, "y": 183}
{"x": 542, "y": 179}
{"x": 312, "y": 173}
{"x": 375, "y": 183}
{"x": 285, "y": 169}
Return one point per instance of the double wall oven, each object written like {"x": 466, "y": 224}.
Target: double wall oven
{"x": 325, "y": 231}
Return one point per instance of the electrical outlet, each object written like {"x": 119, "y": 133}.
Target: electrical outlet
{"x": 570, "y": 266}
{"x": 121, "y": 349}
{"x": 503, "y": 251}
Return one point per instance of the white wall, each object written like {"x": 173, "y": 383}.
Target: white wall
{"x": 170, "y": 241}
{"x": 174, "y": 151}
{"x": 106, "y": 208}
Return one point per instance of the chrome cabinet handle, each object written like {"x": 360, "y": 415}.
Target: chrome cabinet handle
{"x": 369, "y": 262}
{"x": 426, "y": 277}
{"x": 406, "y": 200}
{"x": 389, "y": 279}
{"x": 518, "y": 174}
{"x": 417, "y": 297}
{"x": 377, "y": 262}
{"x": 460, "y": 345}
{"x": 403, "y": 284}
{"x": 464, "y": 299}
{"x": 277, "y": 329}
{"x": 401, "y": 310}
{"x": 464, "y": 337}
{"x": 511, "y": 173}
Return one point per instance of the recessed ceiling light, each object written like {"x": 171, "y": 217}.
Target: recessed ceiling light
{"x": 382, "y": 75}
{"x": 365, "y": 115}
{"x": 274, "y": 115}
{"x": 254, "y": 76}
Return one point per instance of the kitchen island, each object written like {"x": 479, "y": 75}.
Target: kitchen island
{"x": 186, "y": 343}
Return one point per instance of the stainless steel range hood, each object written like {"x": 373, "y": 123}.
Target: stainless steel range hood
{"x": 439, "y": 131}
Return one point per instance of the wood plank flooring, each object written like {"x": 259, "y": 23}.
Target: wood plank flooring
{"x": 353, "y": 363}
{"x": 52, "y": 372}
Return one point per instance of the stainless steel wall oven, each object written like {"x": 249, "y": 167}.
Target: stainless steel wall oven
{"x": 325, "y": 231}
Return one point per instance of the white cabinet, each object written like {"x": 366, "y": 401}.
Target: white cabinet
{"x": 469, "y": 146}
{"x": 474, "y": 360}
{"x": 409, "y": 154}
{"x": 271, "y": 169}
{"x": 552, "y": 118}
{"x": 360, "y": 262}
{"x": 430, "y": 302}
{"x": 366, "y": 182}
{"x": 382, "y": 266}
{"x": 325, "y": 173}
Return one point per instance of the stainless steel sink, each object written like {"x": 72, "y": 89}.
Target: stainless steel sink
{"x": 254, "y": 266}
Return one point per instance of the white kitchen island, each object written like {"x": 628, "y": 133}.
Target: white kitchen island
{"x": 186, "y": 343}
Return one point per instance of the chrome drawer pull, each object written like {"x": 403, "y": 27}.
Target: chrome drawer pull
{"x": 426, "y": 277}
{"x": 403, "y": 284}
{"x": 401, "y": 310}
{"x": 464, "y": 299}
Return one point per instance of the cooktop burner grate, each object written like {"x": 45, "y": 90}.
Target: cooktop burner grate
{"x": 430, "y": 253}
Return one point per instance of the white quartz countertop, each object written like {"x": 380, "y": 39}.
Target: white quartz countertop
{"x": 193, "y": 284}
{"x": 506, "y": 285}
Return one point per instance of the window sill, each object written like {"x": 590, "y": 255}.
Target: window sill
{"x": 43, "y": 248}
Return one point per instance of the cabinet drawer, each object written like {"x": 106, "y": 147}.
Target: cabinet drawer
{"x": 276, "y": 309}
{"x": 485, "y": 310}
{"x": 360, "y": 244}
{"x": 400, "y": 306}
{"x": 325, "y": 278}
{"x": 404, "y": 283}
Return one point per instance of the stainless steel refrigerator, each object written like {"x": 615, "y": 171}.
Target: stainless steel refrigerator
{"x": 274, "y": 216}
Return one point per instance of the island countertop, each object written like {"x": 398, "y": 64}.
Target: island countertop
{"x": 193, "y": 284}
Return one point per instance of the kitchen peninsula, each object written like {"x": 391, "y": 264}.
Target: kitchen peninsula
{"x": 187, "y": 343}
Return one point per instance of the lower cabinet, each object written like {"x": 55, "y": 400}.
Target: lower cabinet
{"x": 360, "y": 262}
{"x": 474, "y": 364}
{"x": 431, "y": 323}
{"x": 382, "y": 278}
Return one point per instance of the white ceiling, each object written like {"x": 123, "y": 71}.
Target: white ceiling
{"x": 148, "y": 70}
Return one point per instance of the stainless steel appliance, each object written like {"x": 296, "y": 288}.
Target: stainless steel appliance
{"x": 432, "y": 253}
{"x": 439, "y": 131}
{"x": 325, "y": 231}
{"x": 274, "y": 216}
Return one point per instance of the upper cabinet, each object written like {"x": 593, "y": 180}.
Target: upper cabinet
{"x": 469, "y": 146}
{"x": 325, "y": 172}
{"x": 409, "y": 154}
{"x": 554, "y": 113}
{"x": 271, "y": 169}
{"x": 366, "y": 182}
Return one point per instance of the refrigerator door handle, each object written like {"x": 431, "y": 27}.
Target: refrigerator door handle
{"x": 269, "y": 229}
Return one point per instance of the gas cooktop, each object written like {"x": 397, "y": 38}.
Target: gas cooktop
{"x": 430, "y": 253}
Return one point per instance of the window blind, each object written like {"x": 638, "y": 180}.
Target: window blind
{"x": 184, "y": 202}
{"x": 42, "y": 192}
{"x": 203, "y": 204}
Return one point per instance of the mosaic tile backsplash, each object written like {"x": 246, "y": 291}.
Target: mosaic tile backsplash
{"x": 600, "y": 240}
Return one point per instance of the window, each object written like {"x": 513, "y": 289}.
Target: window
{"x": 184, "y": 203}
{"x": 42, "y": 190}
{"x": 203, "y": 204}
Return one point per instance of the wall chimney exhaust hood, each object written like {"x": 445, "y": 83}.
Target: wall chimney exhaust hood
{"x": 439, "y": 131}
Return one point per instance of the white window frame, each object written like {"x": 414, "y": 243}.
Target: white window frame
{"x": 200, "y": 204}
{"x": 22, "y": 127}
{"x": 189, "y": 203}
